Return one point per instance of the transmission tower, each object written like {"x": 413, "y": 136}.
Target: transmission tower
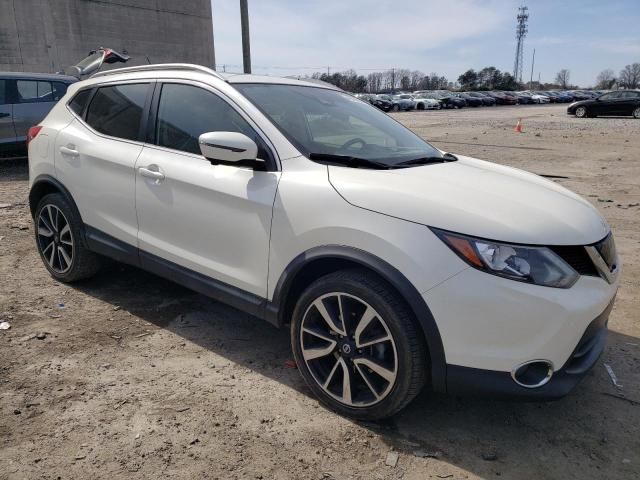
{"x": 521, "y": 32}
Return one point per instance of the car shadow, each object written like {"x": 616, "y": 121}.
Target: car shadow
{"x": 568, "y": 438}
{"x": 14, "y": 169}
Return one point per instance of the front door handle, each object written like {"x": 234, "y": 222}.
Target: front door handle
{"x": 152, "y": 171}
{"x": 69, "y": 151}
{"x": 4, "y": 114}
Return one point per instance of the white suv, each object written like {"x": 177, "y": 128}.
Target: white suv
{"x": 394, "y": 263}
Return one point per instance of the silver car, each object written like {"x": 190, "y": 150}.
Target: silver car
{"x": 25, "y": 99}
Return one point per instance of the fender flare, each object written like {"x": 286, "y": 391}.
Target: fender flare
{"x": 45, "y": 180}
{"x": 276, "y": 308}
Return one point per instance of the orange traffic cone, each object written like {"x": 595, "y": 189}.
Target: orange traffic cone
{"x": 518, "y": 128}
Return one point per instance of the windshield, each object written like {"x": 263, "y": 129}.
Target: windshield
{"x": 319, "y": 121}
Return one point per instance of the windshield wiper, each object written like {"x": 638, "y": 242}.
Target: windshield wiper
{"x": 447, "y": 157}
{"x": 349, "y": 161}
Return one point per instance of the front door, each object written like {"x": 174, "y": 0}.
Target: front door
{"x": 209, "y": 218}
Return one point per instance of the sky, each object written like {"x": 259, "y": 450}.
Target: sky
{"x": 298, "y": 37}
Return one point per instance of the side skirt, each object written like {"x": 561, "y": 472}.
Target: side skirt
{"x": 104, "y": 244}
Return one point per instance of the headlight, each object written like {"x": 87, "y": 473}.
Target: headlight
{"x": 538, "y": 265}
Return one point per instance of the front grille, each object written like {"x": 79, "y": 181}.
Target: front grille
{"x": 577, "y": 257}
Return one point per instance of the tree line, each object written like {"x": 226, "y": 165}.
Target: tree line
{"x": 629, "y": 77}
{"x": 386, "y": 81}
{"x": 488, "y": 78}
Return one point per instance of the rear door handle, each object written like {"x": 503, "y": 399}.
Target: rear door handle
{"x": 69, "y": 151}
{"x": 152, "y": 171}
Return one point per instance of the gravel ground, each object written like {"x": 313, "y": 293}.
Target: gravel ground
{"x": 130, "y": 376}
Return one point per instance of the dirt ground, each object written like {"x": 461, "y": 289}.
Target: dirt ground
{"x": 130, "y": 376}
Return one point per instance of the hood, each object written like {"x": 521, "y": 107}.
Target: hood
{"x": 476, "y": 198}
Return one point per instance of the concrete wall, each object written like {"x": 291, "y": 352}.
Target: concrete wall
{"x": 49, "y": 35}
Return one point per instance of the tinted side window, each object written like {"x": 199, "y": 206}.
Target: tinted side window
{"x": 117, "y": 110}
{"x": 59, "y": 89}
{"x": 186, "y": 112}
{"x": 79, "y": 101}
{"x": 33, "y": 91}
{"x": 3, "y": 92}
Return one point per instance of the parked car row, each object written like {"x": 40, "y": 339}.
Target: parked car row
{"x": 437, "y": 99}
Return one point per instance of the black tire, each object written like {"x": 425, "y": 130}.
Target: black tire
{"x": 420, "y": 106}
{"x": 410, "y": 347}
{"x": 84, "y": 263}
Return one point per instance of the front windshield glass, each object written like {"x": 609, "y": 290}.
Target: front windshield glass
{"x": 329, "y": 122}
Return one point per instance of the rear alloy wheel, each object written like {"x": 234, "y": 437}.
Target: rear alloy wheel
{"x": 57, "y": 232}
{"x": 581, "y": 112}
{"x": 396, "y": 108}
{"x": 636, "y": 113}
{"x": 356, "y": 345}
{"x": 55, "y": 239}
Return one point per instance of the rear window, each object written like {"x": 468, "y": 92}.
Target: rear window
{"x": 79, "y": 101}
{"x": 117, "y": 110}
{"x": 34, "y": 91}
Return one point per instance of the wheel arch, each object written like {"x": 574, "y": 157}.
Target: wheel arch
{"x": 319, "y": 261}
{"x": 46, "y": 184}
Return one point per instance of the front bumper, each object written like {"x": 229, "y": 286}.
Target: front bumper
{"x": 495, "y": 384}
{"x": 493, "y": 323}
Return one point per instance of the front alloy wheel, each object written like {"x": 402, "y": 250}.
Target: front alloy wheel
{"x": 636, "y": 113}
{"x": 55, "y": 239}
{"x": 357, "y": 344}
{"x": 349, "y": 350}
{"x": 581, "y": 112}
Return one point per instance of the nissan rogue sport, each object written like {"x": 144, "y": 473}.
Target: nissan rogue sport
{"x": 393, "y": 263}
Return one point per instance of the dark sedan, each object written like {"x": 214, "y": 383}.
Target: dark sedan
{"x": 624, "y": 102}
{"x": 470, "y": 100}
{"x": 486, "y": 99}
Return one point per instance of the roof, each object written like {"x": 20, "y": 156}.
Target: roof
{"x": 187, "y": 70}
{"x": 38, "y": 76}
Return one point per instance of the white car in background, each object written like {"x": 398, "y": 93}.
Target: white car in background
{"x": 537, "y": 98}
{"x": 424, "y": 102}
{"x": 394, "y": 264}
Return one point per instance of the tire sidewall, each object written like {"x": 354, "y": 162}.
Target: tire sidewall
{"x": 399, "y": 391}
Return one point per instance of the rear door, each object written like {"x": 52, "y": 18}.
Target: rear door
{"x": 213, "y": 219}
{"x": 96, "y": 155}
{"x": 7, "y": 130}
{"x": 33, "y": 100}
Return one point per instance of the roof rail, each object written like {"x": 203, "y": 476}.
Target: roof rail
{"x": 160, "y": 66}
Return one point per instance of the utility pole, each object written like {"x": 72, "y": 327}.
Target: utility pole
{"x": 533, "y": 62}
{"x": 246, "y": 49}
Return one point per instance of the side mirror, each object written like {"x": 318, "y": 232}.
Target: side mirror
{"x": 227, "y": 147}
